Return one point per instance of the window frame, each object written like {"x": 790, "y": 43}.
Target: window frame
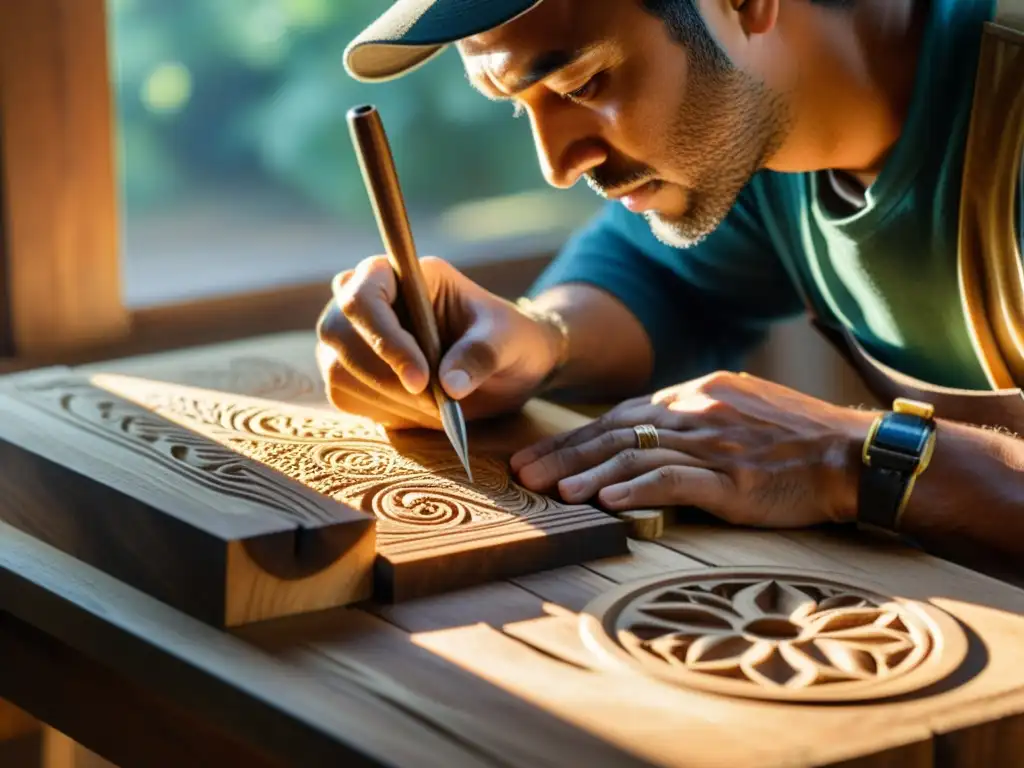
{"x": 61, "y": 265}
{"x": 60, "y": 212}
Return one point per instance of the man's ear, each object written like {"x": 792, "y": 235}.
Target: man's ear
{"x": 756, "y": 17}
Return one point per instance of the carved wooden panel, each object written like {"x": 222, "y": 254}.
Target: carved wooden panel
{"x": 435, "y": 530}
{"x": 188, "y": 492}
{"x": 778, "y": 634}
{"x": 170, "y": 511}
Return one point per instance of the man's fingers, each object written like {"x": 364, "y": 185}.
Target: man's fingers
{"x": 348, "y": 390}
{"x": 638, "y": 411}
{"x": 545, "y": 472}
{"x": 390, "y": 415}
{"x": 470, "y": 361}
{"x": 624, "y": 466}
{"x": 366, "y": 299}
{"x": 675, "y": 485}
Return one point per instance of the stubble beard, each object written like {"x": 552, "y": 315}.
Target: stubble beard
{"x": 728, "y": 128}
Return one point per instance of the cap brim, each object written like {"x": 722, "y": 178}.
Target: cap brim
{"x": 411, "y": 32}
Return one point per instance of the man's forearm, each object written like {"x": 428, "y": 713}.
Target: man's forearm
{"x": 610, "y": 354}
{"x": 969, "y": 503}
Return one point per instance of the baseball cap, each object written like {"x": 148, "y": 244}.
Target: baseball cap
{"x": 411, "y": 32}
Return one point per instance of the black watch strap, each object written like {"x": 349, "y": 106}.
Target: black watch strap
{"x": 881, "y": 495}
{"x": 896, "y": 451}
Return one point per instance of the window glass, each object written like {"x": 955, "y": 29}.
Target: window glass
{"x": 237, "y": 170}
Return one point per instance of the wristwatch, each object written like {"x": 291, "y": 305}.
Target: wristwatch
{"x": 897, "y": 450}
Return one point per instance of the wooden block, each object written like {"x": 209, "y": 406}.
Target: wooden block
{"x": 170, "y": 512}
{"x": 645, "y": 524}
{"x": 299, "y": 472}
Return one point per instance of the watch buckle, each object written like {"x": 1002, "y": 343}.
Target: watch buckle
{"x": 925, "y": 411}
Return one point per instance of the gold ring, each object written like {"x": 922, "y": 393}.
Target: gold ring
{"x": 646, "y": 436}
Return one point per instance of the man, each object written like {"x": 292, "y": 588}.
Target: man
{"x": 763, "y": 158}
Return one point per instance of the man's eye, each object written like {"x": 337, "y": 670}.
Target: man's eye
{"x": 586, "y": 91}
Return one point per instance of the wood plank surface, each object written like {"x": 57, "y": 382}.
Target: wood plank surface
{"x": 119, "y": 636}
{"x": 496, "y": 721}
{"x": 526, "y": 643}
{"x": 192, "y": 523}
{"x": 537, "y": 613}
{"x": 499, "y": 673}
{"x": 893, "y": 731}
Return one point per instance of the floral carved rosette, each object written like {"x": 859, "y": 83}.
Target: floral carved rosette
{"x": 785, "y": 635}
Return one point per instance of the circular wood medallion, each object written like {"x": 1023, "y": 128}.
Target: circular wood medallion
{"x": 770, "y": 633}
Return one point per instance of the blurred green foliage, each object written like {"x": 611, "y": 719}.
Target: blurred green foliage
{"x": 253, "y": 93}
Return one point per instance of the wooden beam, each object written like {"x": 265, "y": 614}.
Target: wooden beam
{"x": 60, "y": 188}
{"x": 6, "y": 329}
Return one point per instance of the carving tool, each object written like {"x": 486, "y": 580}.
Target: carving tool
{"x": 378, "y": 167}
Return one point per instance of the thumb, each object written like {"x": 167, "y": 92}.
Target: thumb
{"x": 471, "y": 360}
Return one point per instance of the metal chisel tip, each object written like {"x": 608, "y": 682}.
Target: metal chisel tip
{"x": 455, "y": 427}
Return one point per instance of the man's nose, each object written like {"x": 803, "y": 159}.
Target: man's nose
{"x": 568, "y": 143}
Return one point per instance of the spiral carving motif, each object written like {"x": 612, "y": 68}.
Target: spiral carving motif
{"x": 358, "y": 459}
{"x": 410, "y": 487}
{"x": 411, "y": 504}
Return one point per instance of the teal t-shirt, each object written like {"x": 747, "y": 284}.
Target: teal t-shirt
{"x": 886, "y": 271}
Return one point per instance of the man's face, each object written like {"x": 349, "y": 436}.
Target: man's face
{"x": 613, "y": 97}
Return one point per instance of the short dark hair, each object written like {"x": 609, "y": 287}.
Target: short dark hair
{"x": 687, "y": 27}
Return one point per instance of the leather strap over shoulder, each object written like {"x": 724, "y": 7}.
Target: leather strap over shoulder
{"x": 990, "y": 262}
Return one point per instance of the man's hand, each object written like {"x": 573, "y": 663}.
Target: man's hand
{"x": 373, "y": 366}
{"x": 749, "y": 451}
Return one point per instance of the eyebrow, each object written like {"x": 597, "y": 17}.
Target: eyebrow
{"x": 543, "y": 66}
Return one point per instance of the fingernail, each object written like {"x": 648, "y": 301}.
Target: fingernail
{"x": 570, "y": 487}
{"x": 530, "y": 474}
{"x": 457, "y": 383}
{"x": 412, "y": 379}
{"x": 613, "y": 493}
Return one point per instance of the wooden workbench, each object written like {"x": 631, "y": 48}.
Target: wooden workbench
{"x": 496, "y": 675}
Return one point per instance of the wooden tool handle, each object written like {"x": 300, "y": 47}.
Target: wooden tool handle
{"x": 381, "y": 178}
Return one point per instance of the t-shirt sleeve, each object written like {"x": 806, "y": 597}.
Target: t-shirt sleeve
{"x": 703, "y": 307}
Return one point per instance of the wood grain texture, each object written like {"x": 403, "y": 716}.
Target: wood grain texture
{"x": 435, "y": 530}
{"x": 352, "y": 643}
{"x": 60, "y": 191}
{"x": 183, "y": 675}
{"x": 498, "y": 673}
{"x": 189, "y": 521}
{"x": 528, "y": 643}
{"x": 975, "y": 712}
